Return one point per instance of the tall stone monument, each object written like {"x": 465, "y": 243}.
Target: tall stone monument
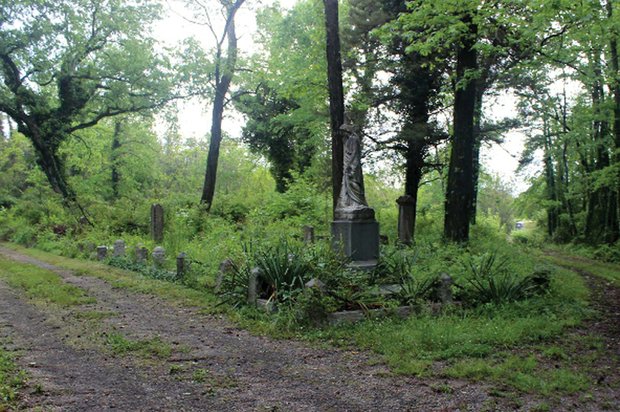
{"x": 406, "y": 219}
{"x": 157, "y": 222}
{"x": 354, "y": 229}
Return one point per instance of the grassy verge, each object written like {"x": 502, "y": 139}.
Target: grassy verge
{"x": 119, "y": 278}
{"x": 607, "y": 271}
{"x": 41, "y": 284}
{"x": 501, "y": 344}
{"x": 11, "y": 380}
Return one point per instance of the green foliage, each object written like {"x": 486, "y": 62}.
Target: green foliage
{"x": 143, "y": 269}
{"x": 283, "y": 270}
{"x": 11, "y": 380}
{"x": 149, "y": 348}
{"x": 415, "y": 290}
{"x": 41, "y": 284}
{"x": 490, "y": 280}
{"x": 68, "y": 65}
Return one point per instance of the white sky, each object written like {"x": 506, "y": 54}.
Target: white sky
{"x": 195, "y": 117}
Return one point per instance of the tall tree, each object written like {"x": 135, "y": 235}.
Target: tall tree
{"x": 392, "y": 79}
{"x": 66, "y": 65}
{"x": 336, "y": 93}
{"x": 460, "y": 186}
{"x": 272, "y": 130}
{"x": 225, "y": 65}
{"x": 284, "y": 96}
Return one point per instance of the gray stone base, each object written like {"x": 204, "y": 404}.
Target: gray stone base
{"x": 358, "y": 240}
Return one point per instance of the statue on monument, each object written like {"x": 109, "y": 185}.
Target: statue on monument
{"x": 352, "y": 203}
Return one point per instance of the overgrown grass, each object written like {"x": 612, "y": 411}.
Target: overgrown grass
{"x": 171, "y": 292}
{"x": 607, "y": 271}
{"x": 11, "y": 380}
{"x": 41, "y": 284}
{"x": 523, "y": 373}
{"x": 148, "y": 348}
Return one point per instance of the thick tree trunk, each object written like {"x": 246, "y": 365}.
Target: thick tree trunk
{"x": 477, "y": 144}
{"x": 414, "y": 162}
{"x": 460, "y": 188}
{"x": 336, "y": 93}
{"x": 208, "y": 190}
{"x": 52, "y": 166}
{"x": 615, "y": 90}
{"x": 223, "y": 77}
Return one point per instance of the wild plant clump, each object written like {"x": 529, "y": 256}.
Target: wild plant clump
{"x": 489, "y": 278}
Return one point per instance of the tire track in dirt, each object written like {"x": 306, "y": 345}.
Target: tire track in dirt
{"x": 244, "y": 372}
{"x": 70, "y": 379}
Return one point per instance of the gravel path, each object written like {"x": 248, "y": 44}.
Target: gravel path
{"x": 214, "y": 366}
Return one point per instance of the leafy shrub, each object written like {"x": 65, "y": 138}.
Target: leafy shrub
{"x": 607, "y": 253}
{"x": 284, "y": 270}
{"x": 415, "y": 289}
{"x": 395, "y": 264}
{"x": 234, "y": 286}
{"x": 490, "y": 280}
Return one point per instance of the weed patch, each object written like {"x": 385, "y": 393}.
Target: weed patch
{"x": 148, "y": 348}
{"x": 41, "y": 284}
{"x": 11, "y": 380}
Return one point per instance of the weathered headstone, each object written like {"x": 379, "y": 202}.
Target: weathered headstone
{"x": 316, "y": 283}
{"x": 355, "y": 231}
{"x": 119, "y": 248}
{"x": 157, "y": 222}
{"x": 142, "y": 254}
{"x": 444, "y": 290}
{"x": 102, "y": 252}
{"x": 406, "y": 219}
{"x": 308, "y": 234}
{"x": 182, "y": 264}
{"x": 225, "y": 267}
{"x": 159, "y": 256}
{"x": 253, "y": 286}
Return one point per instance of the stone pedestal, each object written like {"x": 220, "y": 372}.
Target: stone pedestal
{"x": 182, "y": 265}
{"x": 308, "y": 235}
{"x": 157, "y": 222}
{"x": 102, "y": 252}
{"x": 358, "y": 240}
{"x": 406, "y": 219}
{"x": 119, "y": 249}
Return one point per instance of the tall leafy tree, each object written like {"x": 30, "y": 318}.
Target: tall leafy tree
{"x": 224, "y": 67}
{"x": 272, "y": 131}
{"x": 480, "y": 39}
{"x": 66, "y": 65}
{"x": 284, "y": 93}
{"x": 581, "y": 170}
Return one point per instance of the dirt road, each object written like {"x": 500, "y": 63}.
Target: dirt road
{"x": 212, "y": 365}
